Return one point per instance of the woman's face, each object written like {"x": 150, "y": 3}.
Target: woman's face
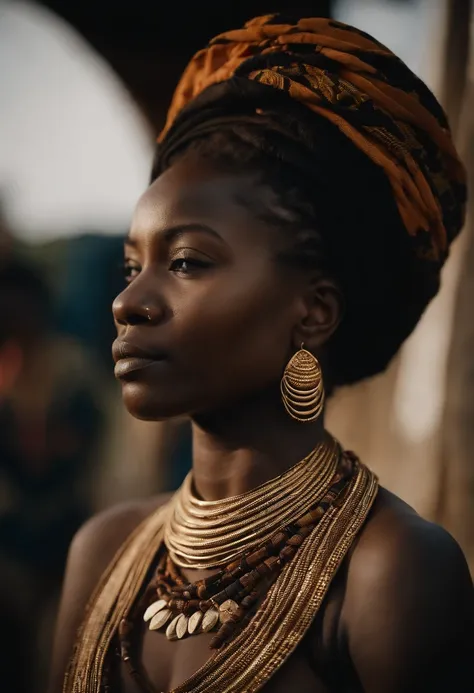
{"x": 208, "y": 316}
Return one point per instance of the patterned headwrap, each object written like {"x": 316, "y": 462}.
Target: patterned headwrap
{"x": 352, "y": 80}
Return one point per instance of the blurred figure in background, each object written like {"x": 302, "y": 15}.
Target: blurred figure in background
{"x": 49, "y": 426}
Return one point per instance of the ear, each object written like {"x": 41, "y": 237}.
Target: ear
{"x": 322, "y": 313}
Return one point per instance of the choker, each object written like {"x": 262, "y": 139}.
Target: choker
{"x": 203, "y": 534}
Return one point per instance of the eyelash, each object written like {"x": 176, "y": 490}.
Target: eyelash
{"x": 130, "y": 271}
{"x": 127, "y": 270}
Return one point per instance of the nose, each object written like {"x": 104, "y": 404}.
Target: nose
{"x": 134, "y": 306}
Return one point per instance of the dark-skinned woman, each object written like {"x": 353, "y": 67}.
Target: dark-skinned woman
{"x": 303, "y": 198}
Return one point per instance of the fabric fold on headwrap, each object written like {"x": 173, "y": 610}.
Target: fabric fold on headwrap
{"x": 349, "y": 78}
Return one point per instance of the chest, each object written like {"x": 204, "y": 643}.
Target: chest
{"x": 168, "y": 665}
{"x": 309, "y": 669}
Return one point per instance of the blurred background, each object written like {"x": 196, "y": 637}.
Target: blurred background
{"x": 85, "y": 89}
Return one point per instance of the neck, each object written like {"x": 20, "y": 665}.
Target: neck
{"x": 241, "y": 448}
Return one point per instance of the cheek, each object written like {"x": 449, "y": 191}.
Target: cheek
{"x": 238, "y": 330}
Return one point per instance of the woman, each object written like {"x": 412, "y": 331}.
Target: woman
{"x": 302, "y": 202}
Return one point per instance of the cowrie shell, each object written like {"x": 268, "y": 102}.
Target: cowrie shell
{"x": 210, "y": 619}
{"x": 182, "y": 626}
{"x": 195, "y": 622}
{"x": 160, "y": 619}
{"x": 171, "y": 630}
{"x": 153, "y": 609}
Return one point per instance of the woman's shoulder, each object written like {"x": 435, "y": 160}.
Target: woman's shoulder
{"x": 102, "y": 535}
{"x": 395, "y": 537}
{"x": 408, "y": 596}
{"x": 92, "y": 549}
{"x": 95, "y": 544}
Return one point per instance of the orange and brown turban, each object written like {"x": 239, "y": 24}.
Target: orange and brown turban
{"x": 348, "y": 78}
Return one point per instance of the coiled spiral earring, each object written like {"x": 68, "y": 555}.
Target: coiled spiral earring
{"x": 302, "y": 387}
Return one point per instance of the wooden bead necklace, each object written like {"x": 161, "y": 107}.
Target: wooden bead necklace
{"x": 226, "y": 601}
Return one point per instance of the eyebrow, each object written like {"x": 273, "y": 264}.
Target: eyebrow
{"x": 173, "y": 232}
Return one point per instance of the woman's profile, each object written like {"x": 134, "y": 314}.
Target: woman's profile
{"x": 303, "y": 198}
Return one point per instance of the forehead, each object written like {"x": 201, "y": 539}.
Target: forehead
{"x": 197, "y": 191}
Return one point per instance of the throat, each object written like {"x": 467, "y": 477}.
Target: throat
{"x": 241, "y": 449}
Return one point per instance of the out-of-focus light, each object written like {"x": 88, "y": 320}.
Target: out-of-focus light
{"x": 75, "y": 152}
{"x": 413, "y": 30}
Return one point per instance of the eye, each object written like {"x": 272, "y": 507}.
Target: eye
{"x": 130, "y": 270}
{"x": 187, "y": 265}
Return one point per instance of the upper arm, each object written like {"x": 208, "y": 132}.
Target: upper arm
{"x": 409, "y": 613}
{"x": 91, "y": 550}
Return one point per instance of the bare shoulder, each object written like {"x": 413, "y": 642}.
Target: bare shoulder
{"x": 92, "y": 549}
{"x": 409, "y": 597}
{"x": 396, "y": 538}
{"x": 101, "y": 536}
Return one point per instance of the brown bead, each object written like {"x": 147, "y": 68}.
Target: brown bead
{"x": 125, "y": 651}
{"x": 263, "y": 569}
{"x": 192, "y": 605}
{"x": 235, "y": 573}
{"x": 256, "y": 557}
{"x": 125, "y": 628}
{"x": 202, "y": 592}
{"x": 235, "y": 565}
{"x": 177, "y": 604}
{"x": 224, "y": 632}
{"x": 272, "y": 563}
{"x": 250, "y": 579}
{"x": 279, "y": 538}
{"x": 216, "y": 642}
{"x": 220, "y": 597}
{"x": 191, "y": 589}
{"x": 233, "y": 589}
{"x": 248, "y": 601}
{"x": 287, "y": 554}
{"x": 310, "y": 517}
{"x": 295, "y": 540}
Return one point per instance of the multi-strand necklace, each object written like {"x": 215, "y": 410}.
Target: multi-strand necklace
{"x": 254, "y": 535}
{"x": 207, "y": 534}
{"x": 263, "y": 597}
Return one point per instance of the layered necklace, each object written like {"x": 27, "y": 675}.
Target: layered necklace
{"x": 252, "y": 535}
{"x": 207, "y": 534}
{"x": 275, "y": 550}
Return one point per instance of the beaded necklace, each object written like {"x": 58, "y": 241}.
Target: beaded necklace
{"x": 254, "y": 638}
{"x": 227, "y": 600}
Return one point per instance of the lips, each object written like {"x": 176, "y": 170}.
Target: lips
{"x": 122, "y": 349}
{"x": 130, "y": 358}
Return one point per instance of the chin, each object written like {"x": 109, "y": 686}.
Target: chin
{"x": 144, "y": 404}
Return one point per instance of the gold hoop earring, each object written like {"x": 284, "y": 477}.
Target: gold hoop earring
{"x": 302, "y": 387}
